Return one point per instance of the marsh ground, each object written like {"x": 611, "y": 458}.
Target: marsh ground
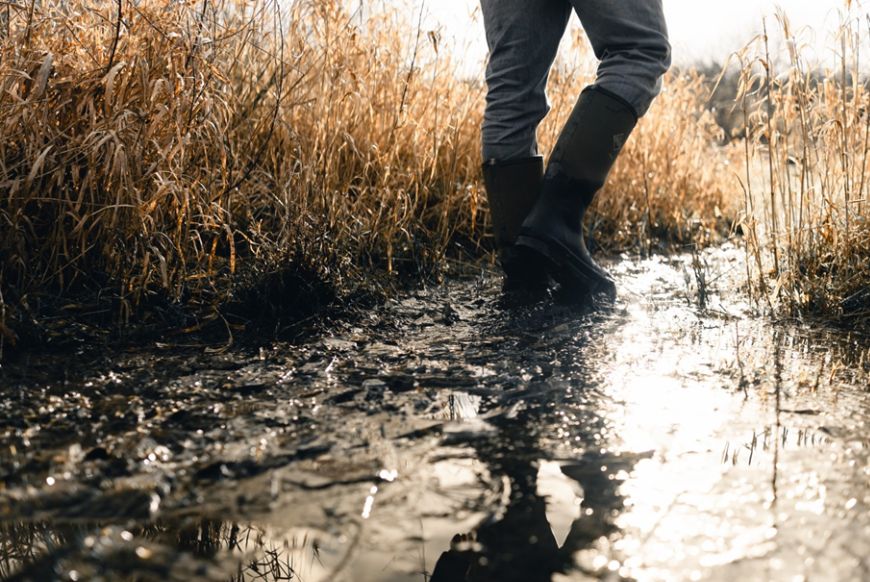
{"x": 661, "y": 438}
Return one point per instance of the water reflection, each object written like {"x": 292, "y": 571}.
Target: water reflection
{"x": 520, "y": 544}
{"x": 659, "y": 383}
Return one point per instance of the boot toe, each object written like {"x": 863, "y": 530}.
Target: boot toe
{"x": 569, "y": 264}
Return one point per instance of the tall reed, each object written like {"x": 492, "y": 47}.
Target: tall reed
{"x": 162, "y": 148}
{"x": 806, "y": 175}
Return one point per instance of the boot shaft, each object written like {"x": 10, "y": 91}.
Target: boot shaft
{"x": 512, "y": 188}
{"x": 591, "y": 140}
{"x": 552, "y": 234}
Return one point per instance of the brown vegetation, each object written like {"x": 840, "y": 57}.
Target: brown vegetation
{"x": 180, "y": 150}
{"x": 179, "y": 153}
{"x": 191, "y": 147}
{"x": 806, "y": 177}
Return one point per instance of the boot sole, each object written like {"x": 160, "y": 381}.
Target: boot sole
{"x": 564, "y": 266}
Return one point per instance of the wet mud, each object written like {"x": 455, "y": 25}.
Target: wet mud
{"x": 451, "y": 435}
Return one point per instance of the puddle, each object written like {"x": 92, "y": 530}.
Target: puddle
{"x": 651, "y": 440}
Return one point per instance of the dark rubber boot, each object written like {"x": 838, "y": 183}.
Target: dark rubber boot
{"x": 512, "y": 188}
{"x": 553, "y": 232}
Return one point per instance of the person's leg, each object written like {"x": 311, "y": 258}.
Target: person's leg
{"x": 630, "y": 38}
{"x": 523, "y": 37}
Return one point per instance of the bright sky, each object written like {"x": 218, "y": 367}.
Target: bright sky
{"x": 700, "y": 30}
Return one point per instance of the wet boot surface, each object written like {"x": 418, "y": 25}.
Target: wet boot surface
{"x": 552, "y": 234}
{"x": 450, "y": 433}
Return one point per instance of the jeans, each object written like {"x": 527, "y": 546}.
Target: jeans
{"x": 629, "y": 37}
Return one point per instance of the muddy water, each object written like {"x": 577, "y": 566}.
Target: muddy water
{"x": 450, "y": 435}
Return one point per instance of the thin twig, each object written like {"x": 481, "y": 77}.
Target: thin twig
{"x": 117, "y": 37}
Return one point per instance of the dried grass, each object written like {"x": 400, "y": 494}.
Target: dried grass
{"x": 176, "y": 151}
{"x": 806, "y": 177}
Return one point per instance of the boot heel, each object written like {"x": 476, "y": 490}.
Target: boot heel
{"x": 525, "y": 267}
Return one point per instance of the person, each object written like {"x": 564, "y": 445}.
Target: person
{"x": 537, "y": 214}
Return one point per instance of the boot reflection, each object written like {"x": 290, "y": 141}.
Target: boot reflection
{"x": 519, "y": 547}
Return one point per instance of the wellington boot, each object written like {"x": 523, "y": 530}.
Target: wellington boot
{"x": 512, "y": 189}
{"x": 552, "y": 234}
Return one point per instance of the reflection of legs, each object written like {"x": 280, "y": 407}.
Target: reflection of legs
{"x": 519, "y": 547}
{"x": 455, "y": 565}
{"x": 523, "y": 36}
{"x": 597, "y": 476}
{"x": 630, "y": 38}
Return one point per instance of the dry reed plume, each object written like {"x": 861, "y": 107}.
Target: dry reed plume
{"x": 806, "y": 176}
{"x": 176, "y": 152}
